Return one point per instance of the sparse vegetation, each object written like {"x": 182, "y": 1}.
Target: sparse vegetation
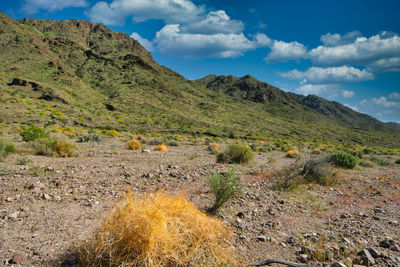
{"x": 214, "y": 148}
{"x": 6, "y": 148}
{"x": 161, "y": 147}
{"x": 292, "y": 153}
{"x": 89, "y": 137}
{"x": 23, "y": 160}
{"x": 133, "y": 144}
{"x": 53, "y": 147}
{"x": 379, "y": 161}
{"x": 343, "y": 159}
{"x": 304, "y": 171}
{"x": 237, "y": 154}
{"x": 224, "y": 187}
{"x": 158, "y": 230}
{"x": 32, "y": 133}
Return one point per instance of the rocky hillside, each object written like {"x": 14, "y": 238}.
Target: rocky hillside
{"x": 78, "y": 73}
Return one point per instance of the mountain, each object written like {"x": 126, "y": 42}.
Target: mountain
{"x": 82, "y": 74}
{"x": 250, "y": 88}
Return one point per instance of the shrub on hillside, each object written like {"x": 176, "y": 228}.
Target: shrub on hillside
{"x": 89, "y": 137}
{"x": 214, "y": 148}
{"x": 53, "y": 147}
{"x": 32, "y": 133}
{"x": 379, "y": 161}
{"x": 155, "y": 141}
{"x": 224, "y": 187}
{"x": 134, "y": 144}
{"x": 343, "y": 159}
{"x": 366, "y": 163}
{"x": 292, "y": 153}
{"x": 397, "y": 161}
{"x": 161, "y": 147}
{"x": 305, "y": 171}
{"x": 236, "y": 153}
{"x": 6, "y": 148}
{"x": 158, "y": 230}
{"x": 318, "y": 171}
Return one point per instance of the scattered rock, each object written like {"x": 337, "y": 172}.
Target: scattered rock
{"x": 46, "y": 196}
{"x": 262, "y": 238}
{"x": 303, "y": 258}
{"x": 374, "y": 253}
{"x": 366, "y": 257}
{"x": 338, "y": 264}
{"x": 147, "y": 151}
{"x": 16, "y": 259}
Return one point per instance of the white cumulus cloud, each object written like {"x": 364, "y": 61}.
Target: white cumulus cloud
{"x": 317, "y": 75}
{"x": 215, "y": 22}
{"x": 171, "y": 11}
{"x": 360, "y": 52}
{"x": 33, "y": 6}
{"x": 385, "y": 65}
{"x": 336, "y": 39}
{"x": 385, "y": 107}
{"x": 170, "y": 40}
{"x": 329, "y": 91}
{"x": 143, "y": 41}
{"x": 283, "y": 51}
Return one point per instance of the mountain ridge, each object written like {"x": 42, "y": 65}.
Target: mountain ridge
{"x": 90, "y": 76}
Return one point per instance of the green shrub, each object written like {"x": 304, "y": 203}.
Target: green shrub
{"x": 366, "y": 163}
{"x": 236, "y": 153}
{"x": 89, "y": 137}
{"x": 359, "y": 154}
{"x": 397, "y": 161}
{"x": 304, "y": 171}
{"x": 23, "y": 160}
{"x": 343, "y": 159}
{"x": 53, "y": 147}
{"x": 224, "y": 188}
{"x": 318, "y": 171}
{"x": 156, "y": 141}
{"x": 368, "y": 151}
{"x": 32, "y": 133}
{"x": 379, "y": 161}
{"x": 6, "y": 148}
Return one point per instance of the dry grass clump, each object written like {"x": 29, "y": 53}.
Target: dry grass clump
{"x": 158, "y": 230}
{"x": 53, "y": 147}
{"x": 292, "y": 153}
{"x": 214, "y": 148}
{"x": 161, "y": 147}
{"x": 134, "y": 144}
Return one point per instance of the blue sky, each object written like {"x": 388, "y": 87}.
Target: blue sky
{"x": 347, "y": 51}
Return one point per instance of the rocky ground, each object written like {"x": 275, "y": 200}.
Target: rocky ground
{"x": 50, "y": 203}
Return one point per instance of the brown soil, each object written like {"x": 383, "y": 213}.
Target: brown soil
{"x": 51, "y": 203}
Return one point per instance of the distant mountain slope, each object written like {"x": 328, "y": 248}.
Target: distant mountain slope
{"x": 78, "y": 73}
{"x": 343, "y": 114}
{"x": 250, "y": 88}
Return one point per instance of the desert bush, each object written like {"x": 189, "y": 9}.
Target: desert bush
{"x": 304, "y": 171}
{"x": 23, "y": 160}
{"x": 32, "y": 133}
{"x": 236, "y": 153}
{"x": 133, "y": 144}
{"x": 368, "y": 151}
{"x": 343, "y": 159}
{"x": 379, "y": 161}
{"x": 214, "y": 148}
{"x": 292, "y": 153}
{"x": 224, "y": 188}
{"x": 397, "y": 161}
{"x": 158, "y": 230}
{"x": 89, "y": 137}
{"x": 318, "y": 171}
{"x": 172, "y": 142}
{"x": 53, "y": 147}
{"x": 366, "y": 163}
{"x": 155, "y": 141}
{"x": 356, "y": 153}
{"x": 161, "y": 147}
{"x": 6, "y": 148}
